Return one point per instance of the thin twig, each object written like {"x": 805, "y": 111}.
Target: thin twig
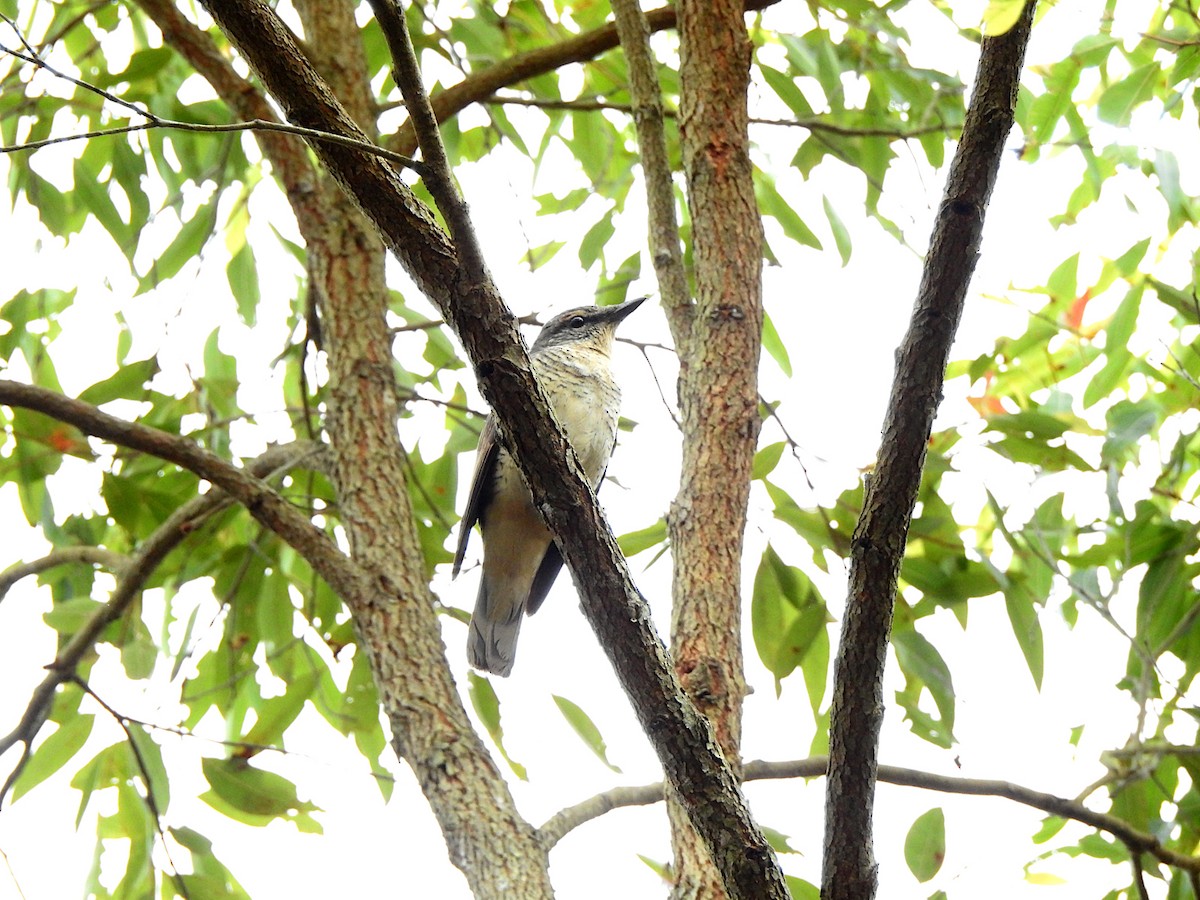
{"x": 566, "y": 820}
{"x": 1139, "y": 875}
{"x": 585, "y": 104}
{"x": 62, "y": 556}
{"x": 406, "y": 72}
{"x": 256, "y": 125}
{"x": 151, "y": 803}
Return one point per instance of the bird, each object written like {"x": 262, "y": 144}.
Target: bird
{"x": 571, "y": 360}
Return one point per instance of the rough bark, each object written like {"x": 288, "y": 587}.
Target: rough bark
{"x": 877, "y": 548}
{"x": 487, "y": 839}
{"x": 718, "y": 394}
{"x": 682, "y": 737}
{"x": 666, "y": 250}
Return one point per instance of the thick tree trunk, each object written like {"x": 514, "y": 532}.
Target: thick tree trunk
{"x": 718, "y": 394}
{"x": 488, "y": 840}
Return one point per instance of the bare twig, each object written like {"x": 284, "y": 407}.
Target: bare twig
{"x": 1139, "y": 875}
{"x": 151, "y": 803}
{"x": 566, "y": 820}
{"x": 258, "y": 125}
{"x": 62, "y": 556}
{"x": 406, "y": 72}
{"x": 585, "y": 104}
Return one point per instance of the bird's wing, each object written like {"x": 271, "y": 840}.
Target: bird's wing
{"x": 481, "y": 487}
{"x": 552, "y": 563}
{"x": 544, "y": 579}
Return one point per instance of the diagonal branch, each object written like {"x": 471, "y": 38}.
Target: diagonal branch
{"x": 682, "y": 737}
{"x": 482, "y": 84}
{"x": 407, "y": 74}
{"x": 241, "y": 485}
{"x": 877, "y": 547}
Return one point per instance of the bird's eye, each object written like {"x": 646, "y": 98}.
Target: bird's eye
{"x": 576, "y": 322}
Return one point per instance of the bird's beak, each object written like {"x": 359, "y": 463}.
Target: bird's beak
{"x": 616, "y": 314}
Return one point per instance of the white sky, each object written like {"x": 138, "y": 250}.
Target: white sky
{"x": 1005, "y": 729}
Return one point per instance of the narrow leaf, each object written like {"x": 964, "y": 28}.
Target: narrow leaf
{"x": 585, "y": 728}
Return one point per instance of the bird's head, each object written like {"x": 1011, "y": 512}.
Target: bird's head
{"x": 585, "y": 326}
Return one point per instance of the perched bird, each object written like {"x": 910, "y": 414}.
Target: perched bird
{"x": 571, "y": 359}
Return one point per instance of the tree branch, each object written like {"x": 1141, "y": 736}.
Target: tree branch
{"x": 877, "y": 547}
{"x": 257, "y": 125}
{"x": 149, "y": 554}
{"x": 486, "y": 82}
{"x": 406, "y": 72}
{"x": 563, "y": 822}
{"x": 666, "y": 251}
{"x": 682, "y": 738}
{"x": 62, "y": 556}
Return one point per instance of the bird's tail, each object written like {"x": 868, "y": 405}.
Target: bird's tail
{"x": 495, "y": 627}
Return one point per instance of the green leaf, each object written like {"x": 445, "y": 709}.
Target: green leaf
{"x": 634, "y": 542}
{"x": 242, "y": 273}
{"x": 1117, "y": 103}
{"x": 275, "y": 715}
{"x": 151, "y": 759}
{"x": 1022, "y": 615}
{"x": 766, "y": 459}
{"x": 185, "y": 247}
{"x": 784, "y": 86}
{"x": 1116, "y": 347}
{"x": 585, "y": 728}
{"x": 53, "y": 752}
{"x": 772, "y": 204}
{"x": 919, "y": 658}
{"x": 591, "y": 248}
{"x": 127, "y": 383}
{"x": 801, "y": 889}
{"x": 95, "y": 197}
{"x": 773, "y": 344}
{"x": 999, "y": 17}
{"x": 487, "y": 706}
{"x": 925, "y": 845}
{"x": 253, "y": 796}
{"x": 786, "y": 615}
{"x": 661, "y": 869}
{"x": 841, "y": 236}
{"x": 69, "y": 616}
